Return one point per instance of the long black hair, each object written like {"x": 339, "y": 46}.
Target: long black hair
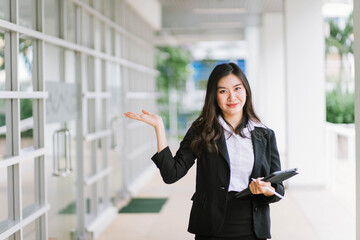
{"x": 206, "y": 127}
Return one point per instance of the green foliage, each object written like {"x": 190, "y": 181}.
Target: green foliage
{"x": 173, "y": 65}
{"x": 341, "y": 37}
{"x": 26, "y": 109}
{"x": 25, "y": 46}
{"x": 339, "y": 107}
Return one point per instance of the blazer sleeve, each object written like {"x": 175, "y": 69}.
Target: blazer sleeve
{"x": 275, "y": 166}
{"x": 173, "y": 168}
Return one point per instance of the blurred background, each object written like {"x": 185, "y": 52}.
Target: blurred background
{"x": 70, "y": 69}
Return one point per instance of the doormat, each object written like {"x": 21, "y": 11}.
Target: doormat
{"x": 144, "y": 205}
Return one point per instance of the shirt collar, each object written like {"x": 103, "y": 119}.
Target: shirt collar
{"x": 250, "y": 126}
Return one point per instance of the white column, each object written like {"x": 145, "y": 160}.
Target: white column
{"x": 271, "y": 79}
{"x": 252, "y": 62}
{"x": 357, "y": 109}
{"x": 305, "y": 91}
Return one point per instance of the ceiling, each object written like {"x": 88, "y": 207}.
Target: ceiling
{"x": 187, "y": 21}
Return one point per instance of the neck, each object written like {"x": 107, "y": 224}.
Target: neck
{"x": 234, "y": 120}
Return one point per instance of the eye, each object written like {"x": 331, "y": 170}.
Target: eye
{"x": 237, "y": 88}
{"x": 222, "y": 91}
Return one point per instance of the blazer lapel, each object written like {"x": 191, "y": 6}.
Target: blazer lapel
{"x": 221, "y": 143}
{"x": 259, "y": 145}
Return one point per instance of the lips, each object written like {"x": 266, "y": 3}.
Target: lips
{"x": 232, "y": 105}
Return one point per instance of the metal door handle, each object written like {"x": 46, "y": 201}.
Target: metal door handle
{"x": 59, "y": 151}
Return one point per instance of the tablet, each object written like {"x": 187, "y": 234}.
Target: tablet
{"x": 280, "y": 176}
{"x": 275, "y": 177}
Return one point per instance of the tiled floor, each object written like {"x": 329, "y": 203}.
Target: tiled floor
{"x": 305, "y": 214}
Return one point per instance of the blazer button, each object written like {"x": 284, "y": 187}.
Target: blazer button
{"x": 222, "y": 188}
{"x": 255, "y": 209}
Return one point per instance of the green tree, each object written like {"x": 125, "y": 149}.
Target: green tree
{"x": 341, "y": 38}
{"x": 339, "y": 106}
{"x": 173, "y": 65}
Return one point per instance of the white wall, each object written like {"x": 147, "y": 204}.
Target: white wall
{"x": 305, "y": 91}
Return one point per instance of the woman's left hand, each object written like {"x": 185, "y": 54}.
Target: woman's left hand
{"x": 259, "y": 187}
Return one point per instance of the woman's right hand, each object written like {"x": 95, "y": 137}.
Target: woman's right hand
{"x": 155, "y": 121}
{"x": 147, "y": 117}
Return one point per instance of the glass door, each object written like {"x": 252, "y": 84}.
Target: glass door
{"x": 60, "y": 142}
{"x": 61, "y": 169}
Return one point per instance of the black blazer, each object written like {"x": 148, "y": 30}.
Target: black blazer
{"x": 213, "y": 178}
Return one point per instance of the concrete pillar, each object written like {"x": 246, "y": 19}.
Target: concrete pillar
{"x": 305, "y": 91}
{"x": 252, "y": 63}
{"x": 271, "y": 82}
{"x": 357, "y": 109}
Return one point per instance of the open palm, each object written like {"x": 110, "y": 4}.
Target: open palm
{"x": 147, "y": 117}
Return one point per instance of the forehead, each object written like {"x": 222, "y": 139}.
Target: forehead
{"x": 229, "y": 81}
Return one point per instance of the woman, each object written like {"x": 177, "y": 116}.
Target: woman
{"x": 231, "y": 147}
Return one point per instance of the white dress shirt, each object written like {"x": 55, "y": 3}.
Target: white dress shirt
{"x": 241, "y": 155}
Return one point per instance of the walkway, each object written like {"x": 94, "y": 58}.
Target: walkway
{"x": 311, "y": 214}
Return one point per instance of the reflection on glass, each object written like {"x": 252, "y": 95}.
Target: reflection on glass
{"x": 28, "y": 187}
{"x": 27, "y": 13}
{"x": 25, "y": 63}
{"x": 2, "y": 61}
{"x": 52, "y": 17}
{"x": 26, "y": 123}
{"x": 4, "y": 9}
{"x": 2, "y": 128}
{"x": 3, "y": 196}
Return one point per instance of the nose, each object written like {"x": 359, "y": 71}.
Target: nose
{"x": 231, "y": 95}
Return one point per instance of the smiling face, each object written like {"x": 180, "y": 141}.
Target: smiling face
{"x": 231, "y": 98}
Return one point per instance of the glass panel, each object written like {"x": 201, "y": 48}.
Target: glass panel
{"x": 26, "y": 123}
{"x": 98, "y": 35}
{"x": 28, "y": 186}
{"x": 4, "y": 9}
{"x": 52, "y": 18}
{"x": 25, "y": 64}
{"x": 2, "y": 129}
{"x": 70, "y": 64}
{"x": 71, "y": 22}
{"x": 100, "y": 154}
{"x": 29, "y": 231}
{"x": 86, "y": 29}
{"x": 91, "y": 115}
{"x": 4, "y": 214}
{"x": 116, "y": 176}
{"x": 88, "y": 152}
{"x": 2, "y": 62}
{"x": 61, "y": 189}
{"x": 101, "y": 195}
{"x": 27, "y": 13}
{"x": 89, "y": 214}
{"x": 53, "y": 62}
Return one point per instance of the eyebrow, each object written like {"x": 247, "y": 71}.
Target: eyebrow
{"x": 240, "y": 84}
